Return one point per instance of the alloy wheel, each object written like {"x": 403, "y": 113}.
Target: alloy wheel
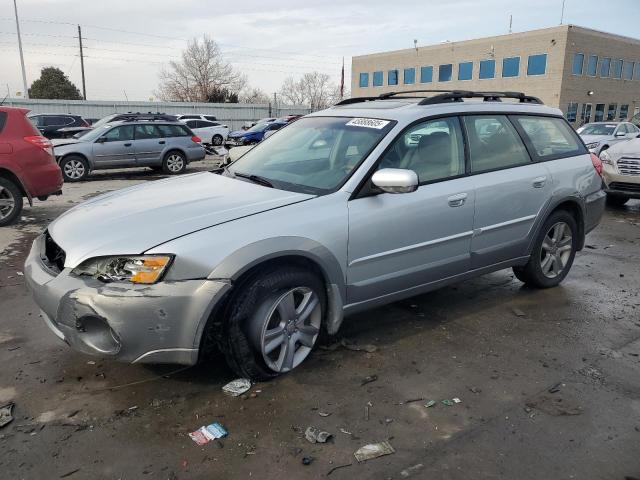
{"x": 74, "y": 169}
{"x": 7, "y": 203}
{"x": 556, "y": 250}
{"x": 290, "y": 328}
{"x": 175, "y": 163}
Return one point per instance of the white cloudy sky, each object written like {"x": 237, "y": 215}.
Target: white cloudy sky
{"x": 127, "y": 41}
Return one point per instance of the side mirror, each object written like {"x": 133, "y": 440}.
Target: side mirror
{"x": 101, "y": 140}
{"x": 395, "y": 180}
{"x": 638, "y": 136}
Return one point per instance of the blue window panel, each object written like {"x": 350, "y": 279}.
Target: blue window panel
{"x": 636, "y": 76}
{"x": 364, "y": 79}
{"x": 409, "y": 76}
{"x": 378, "y": 79}
{"x": 392, "y": 77}
{"x": 578, "y": 62}
{"x": 487, "y": 69}
{"x": 445, "y": 72}
{"x": 511, "y": 67}
{"x": 426, "y": 74}
{"x": 628, "y": 70}
{"x": 605, "y": 67}
{"x": 465, "y": 71}
{"x": 617, "y": 69}
{"x": 537, "y": 64}
{"x": 592, "y": 66}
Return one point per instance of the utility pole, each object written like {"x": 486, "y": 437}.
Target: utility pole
{"x": 275, "y": 104}
{"x": 24, "y": 73}
{"x": 84, "y": 87}
{"x": 510, "y": 23}
{"x": 562, "y": 13}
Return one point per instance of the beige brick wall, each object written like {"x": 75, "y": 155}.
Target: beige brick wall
{"x": 557, "y": 87}
{"x": 605, "y": 90}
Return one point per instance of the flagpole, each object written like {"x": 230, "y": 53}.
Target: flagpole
{"x": 342, "y": 81}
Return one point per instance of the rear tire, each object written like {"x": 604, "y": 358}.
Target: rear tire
{"x": 616, "y": 200}
{"x": 10, "y": 202}
{"x": 174, "y": 163}
{"x": 258, "y": 338}
{"x": 217, "y": 140}
{"x": 74, "y": 168}
{"x": 553, "y": 252}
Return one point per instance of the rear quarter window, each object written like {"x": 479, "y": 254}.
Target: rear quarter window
{"x": 3, "y": 120}
{"x": 550, "y": 137}
{"x": 174, "y": 131}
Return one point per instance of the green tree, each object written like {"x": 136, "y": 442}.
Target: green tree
{"x": 54, "y": 84}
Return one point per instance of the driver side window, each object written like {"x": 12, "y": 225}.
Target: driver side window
{"x": 433, "y": 149}
{"x": 119, "y": 134}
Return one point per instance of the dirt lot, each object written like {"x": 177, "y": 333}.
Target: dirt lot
{"x": 549, "y": 383}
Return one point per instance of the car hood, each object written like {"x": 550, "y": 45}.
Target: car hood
{"x": 61, "y": 142}
{"x": 136, "y": 219}
{"x": 594, "y": 138}
{"x": 630, "y": 148}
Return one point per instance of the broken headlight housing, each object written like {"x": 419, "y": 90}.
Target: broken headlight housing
{"x": 592, "y": 146}
{"x": 144, "y": 269}
{"x": 605, "y": 157}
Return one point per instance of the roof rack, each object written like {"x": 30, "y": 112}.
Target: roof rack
{"x": 132, "y": 117}
{"x": 446, "y": 96}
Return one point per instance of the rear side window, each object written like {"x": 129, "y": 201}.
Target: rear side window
{"x": 57, "y": 121}
{"x": 210, "y": 117}
{"x": 173, "y": 131}
{"x": 494, "y": 143}
{"x": 144, "y": 132}
{"x": 192, "y": 123}
{"x": 3, "y": 120}
{"x": 189, "y": 117}
{"x": 550, "y": 137}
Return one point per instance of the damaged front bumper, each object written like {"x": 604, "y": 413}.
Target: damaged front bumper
{"x": 159, "y": 323}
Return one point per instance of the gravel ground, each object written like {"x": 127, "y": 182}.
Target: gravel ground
{"x": 548, "y": 381}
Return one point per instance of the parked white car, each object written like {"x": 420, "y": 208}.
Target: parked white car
{"x": 213, "y": 133}
{"x": 195, "y": 116}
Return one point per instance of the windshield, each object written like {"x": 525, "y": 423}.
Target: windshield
{"x": 104, "y": 120}
{"x": 92, "y": 135}
{"x": 597, "y": 129}
{"x": 259, "y": 127}
{"x": 314, "y": 154}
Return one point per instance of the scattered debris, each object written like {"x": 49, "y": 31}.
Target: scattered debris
{"x": 73, "y": 414}
{"x": 456, "y": 400}
{"x": 347, "y": 432}
{"x": 373, "y": 450}
{"x": 20, "y": 274}
{"x": 448, "y": 403}
{"x": 555, "y": 388}
{"x": 407, "y": 472}
{"x": 344, "y": 343}
{"x": 518, "y": 313}
{"x": 338, "y": 467}
{"x": 555, "y": 406}
{"x": 368, "y": 379}
{"x": 315, "y": 435}
{"x": 68, "y": 474}
{"x": 307, "y": 460}
{"x": 412, "y": 400}
{"x": 204, "y": 434}
{"x": 6, "y": 416}
{"x": 324, "y": 414}
{"x": 366, "y": 410}
{"x": 475, "y": 390}
{"x": 591, "y": 247}
{"x": 430, "y": 403}
{"x": 237, "y": 387}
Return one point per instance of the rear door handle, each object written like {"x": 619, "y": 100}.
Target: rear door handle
{"x": 162, "y": 142}
{"x": 457, "y": 200}
{"x": 127, "y": 144}
{"x": 539, "y": 182}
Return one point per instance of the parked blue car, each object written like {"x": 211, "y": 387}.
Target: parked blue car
{"x": 254, "y": 135}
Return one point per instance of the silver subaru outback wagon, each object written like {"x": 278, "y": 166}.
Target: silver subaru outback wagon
{"x": 365, "y": 203}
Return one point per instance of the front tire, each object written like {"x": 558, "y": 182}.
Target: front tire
{"x": 74, "y": 168}
{"x": 10, "y": 202}
{"x": 553, "y": 252}
{"x": 273, "y": 323}
{"x": 616, "y": 200}
{"x": 174, "y": 163}
{"x": 217, "y": 140}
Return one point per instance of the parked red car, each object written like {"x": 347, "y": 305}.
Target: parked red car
{"x": 27, "y": 165}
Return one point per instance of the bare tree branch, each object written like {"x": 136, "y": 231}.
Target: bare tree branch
{"x": 254, "y": 95}
{"x": 313, "y": 89}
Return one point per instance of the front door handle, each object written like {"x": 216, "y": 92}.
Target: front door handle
{"x": 539, "y": 182}
{"x": 162, "y": 142}
{"x": 127, "y": 144}
{"x": 457, "y": 200}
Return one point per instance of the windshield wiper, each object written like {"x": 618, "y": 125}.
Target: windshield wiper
{"x": 255, "y": 179}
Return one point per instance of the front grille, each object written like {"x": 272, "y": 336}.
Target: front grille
{"x": 629, "y": 166}
{"x": 625, "y": 187}
{"x": 54, "y": 255}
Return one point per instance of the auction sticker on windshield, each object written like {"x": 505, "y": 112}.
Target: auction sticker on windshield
{"x": 368, "y": 123}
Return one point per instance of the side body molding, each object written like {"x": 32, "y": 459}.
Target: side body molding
{"x": 247, "y": 257}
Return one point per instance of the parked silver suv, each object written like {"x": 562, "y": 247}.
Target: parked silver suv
{"x": 160, "y": 145}
{"x": 366, "y": 203}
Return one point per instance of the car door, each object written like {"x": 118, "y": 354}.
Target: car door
{"x": 148, "y": 144}
{"x": 510, "y": 189}
{"x": 400, "y": 242}
{"x": 114, "y": 148}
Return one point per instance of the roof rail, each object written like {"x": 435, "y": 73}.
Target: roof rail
{"x": 150, "y": 117}
{"x": 459, "y": 95}
{"x": 446, "y": 96}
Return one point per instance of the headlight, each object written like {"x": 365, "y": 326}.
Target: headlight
{"x": 145, "y": 269}
{"x": 605, "y": 157}
{"x": 591, "y": 146}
